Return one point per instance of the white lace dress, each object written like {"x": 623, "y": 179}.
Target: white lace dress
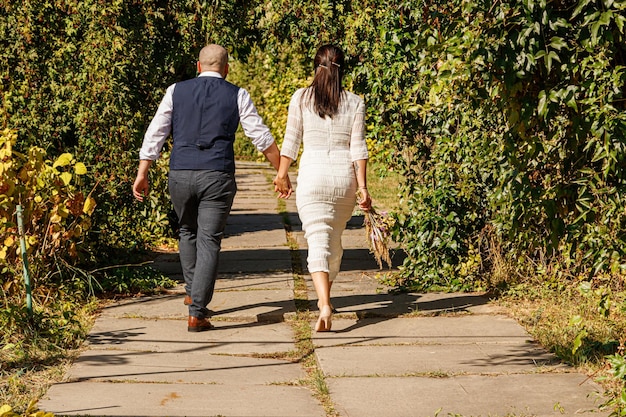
{"x": 326, "y": 190}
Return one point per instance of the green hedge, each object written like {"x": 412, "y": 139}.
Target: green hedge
{"x": 506, "y": 119}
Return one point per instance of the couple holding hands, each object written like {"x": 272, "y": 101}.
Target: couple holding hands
{"x": 203, "y": 114}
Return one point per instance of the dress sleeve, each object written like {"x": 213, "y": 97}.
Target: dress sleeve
{"x": 358, "y": 145}
{"x": 293, "y": 132}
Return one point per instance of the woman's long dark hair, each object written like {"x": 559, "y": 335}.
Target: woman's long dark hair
{"x": 326, "y": 88}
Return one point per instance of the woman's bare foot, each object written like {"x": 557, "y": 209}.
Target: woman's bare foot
{"x": 332, "y": 307}
{"x": 324, "y": 322}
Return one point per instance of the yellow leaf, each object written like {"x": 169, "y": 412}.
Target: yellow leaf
{"x": 80, "y": 168}
{"x": 38, "y": 199}
{"x": 6, "y": 410}
{"x": 66, "y": 177}
{"x": 9, "y": 241}
{"x": 55, "y": 218}
{"x": 5, "y": 167}
{"x": 89, "y": 206}
{"x": 63, "y": 160}
{"x": 3, "y": 255}
{"x": 63, "y": 211}
{"x": 41, "y": 414}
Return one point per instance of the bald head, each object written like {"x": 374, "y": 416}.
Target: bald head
{"x": 213, "y": 58}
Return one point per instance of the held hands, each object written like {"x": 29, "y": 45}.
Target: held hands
{"x": 283, "y": 187}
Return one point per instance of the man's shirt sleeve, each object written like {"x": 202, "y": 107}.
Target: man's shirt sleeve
{"x": 159, "y": 129}
{"x": 251, "y": 122}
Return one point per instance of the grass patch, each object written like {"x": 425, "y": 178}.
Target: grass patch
{"x": 567, "y": 321}
{"x": 35, "y": 351}
{"x": 384, "y": 187}
{"x": 584, "y": 324}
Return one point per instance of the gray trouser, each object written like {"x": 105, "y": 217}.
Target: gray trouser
{"x": 202, "y": 201}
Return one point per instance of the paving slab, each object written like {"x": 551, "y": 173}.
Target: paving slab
{"x": 201, "y": 400}
{"x": 259, "y": 239}
{"x": 255, "y": 305}
{"x": 254, "y": 281}
{"x": 241, "y": 282}
{"x": 184, "y": 368}
{"x": 172, "y": 336}
{"x": 168, "y": 263}
{"x": 165, "y": 306}
{"x": 254, "y": 202}
{"x": 362, "y": 296}
{"x": 436, "y": 360}
{"x": 249, "y": 223}
{"x": 262, "y": 305}
{"x": 423, "y": 330}
{"x": 258, "y": 259}
{"x": 522, "y": 395}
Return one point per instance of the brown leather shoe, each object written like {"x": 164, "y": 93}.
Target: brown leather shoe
{"x": 195, "y": 324}
{"x": 187, "y": 300}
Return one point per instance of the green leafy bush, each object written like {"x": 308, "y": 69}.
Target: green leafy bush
{"x": 85, "y": 77}
{"x": 56, "y": 211}
{"x": 507, "y": 122}
{"x": 127, "y": 280}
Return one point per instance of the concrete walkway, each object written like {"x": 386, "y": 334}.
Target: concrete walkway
{"x": 388, "y": 355}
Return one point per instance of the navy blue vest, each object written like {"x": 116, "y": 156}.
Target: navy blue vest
{"x": 205, "y": 117}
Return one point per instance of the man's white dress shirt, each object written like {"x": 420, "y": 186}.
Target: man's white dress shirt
{"x": 161, "y": 125}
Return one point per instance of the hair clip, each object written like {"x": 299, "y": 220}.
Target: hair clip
{"x": 335, "y": 64}
{"x": 323, "y": 66}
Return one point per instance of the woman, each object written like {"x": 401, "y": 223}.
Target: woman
{"x": 329, "y": 122}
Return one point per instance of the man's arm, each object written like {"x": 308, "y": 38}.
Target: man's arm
{"x": 261, "y": 137}
{"x": 273, "y": 155}
{"x": 141, "y": 187}
{"x": 158, "y": 130}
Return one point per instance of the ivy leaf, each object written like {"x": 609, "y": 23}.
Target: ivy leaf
{"x": 578, "y": 341}
{"x": 605, "y": 18}
{"x": 619, "y": 21}
{"x": 66, "y": 177}
{"x": 575, "y": 320}
{"x": 557, "y": 43}
{"x": 80, "y": 168}
{"x": 542, "y": 108}
{"x": 89, "y": 206}
{"x": 551, "y": 56}
{"x": 63, "y": 160}
{"x": 581, "y": 5}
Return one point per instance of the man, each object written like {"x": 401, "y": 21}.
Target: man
{"x": 202, "y": 114}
